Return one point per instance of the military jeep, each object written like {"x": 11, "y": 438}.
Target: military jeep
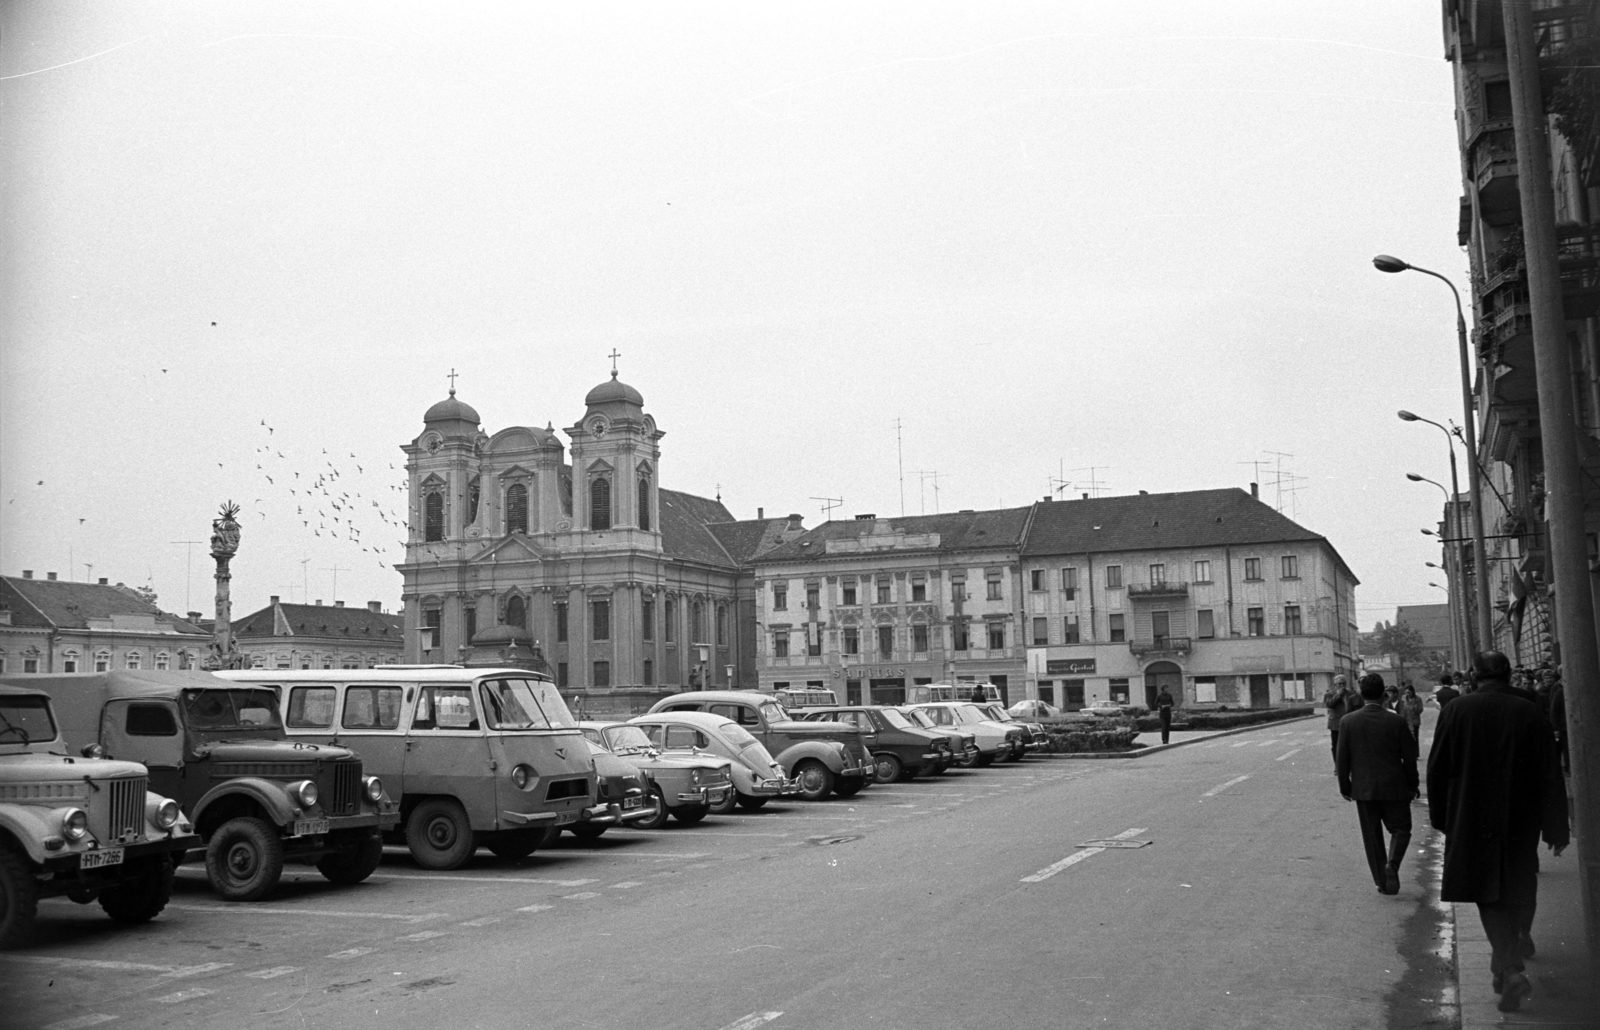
{"x": 256, "y": 799}
{"x": 83, "y": 827}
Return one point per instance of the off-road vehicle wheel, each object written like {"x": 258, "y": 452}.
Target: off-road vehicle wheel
{"x": 19, "y": 899}
{"x": 142, "y": 898}
{"x": 354, "y": 862}
{"x": 513, "y": 845}
{"x": 244, "y": 859}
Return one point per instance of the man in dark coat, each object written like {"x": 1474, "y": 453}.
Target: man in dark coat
{"x": 1339, "y": 700}
{"x": 1447, "y": 691}
{"x": 1377, "y": 768}
{"x": 1493, "y": 788}
{"x": 1164, "y": 705}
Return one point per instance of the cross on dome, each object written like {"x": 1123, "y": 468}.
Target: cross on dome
{"x": 452, "y": 378}
{"x": 614, "y": 355}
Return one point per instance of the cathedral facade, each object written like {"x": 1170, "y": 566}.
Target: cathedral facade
{"x": 580, "y": 552}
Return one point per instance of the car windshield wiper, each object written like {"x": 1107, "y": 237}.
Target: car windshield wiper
{"x": 10, "y": 727}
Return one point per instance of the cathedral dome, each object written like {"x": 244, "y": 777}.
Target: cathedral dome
{"x": 614, "y": 391}
{"x": 450, "y": 409}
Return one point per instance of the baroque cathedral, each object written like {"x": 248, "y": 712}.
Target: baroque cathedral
{"x": 515, "y": 546}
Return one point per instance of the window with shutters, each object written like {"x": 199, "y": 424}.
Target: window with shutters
{"x": 1069, "y": 630}
{"x": 1113, "y": 577}
{"x": 1069, "y": 583}
{"x": 600, "y": 503}
{"x": 997, "y": 636}
{"x": 1117, "y": 627}
{"x": 1257, "y": 619}
{"x": 517, "y": 508}
{"x": 851, "y": 640}
{"x": 1041, "y": 631}
{"x": 1205, "y": 624}
{"x": 1291, "y": 619}
{"x": 919, "y": 639}
{"x": 780, "y": 643}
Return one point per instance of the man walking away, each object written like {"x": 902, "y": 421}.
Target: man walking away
{"x": 1164, "y": 705}
{"x": 1493, "y": 789}
{"x": 1447, "y": 691}
{"x": 1339, "y": 701}
{"x": 1376, "y": 763}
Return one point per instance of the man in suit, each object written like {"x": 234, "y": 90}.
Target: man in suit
{"x": 1447, "y": 691}
{"x": 1493, "y": 789}
{"x": 1376, "y": 762}
{"x": 1339, "y": 700}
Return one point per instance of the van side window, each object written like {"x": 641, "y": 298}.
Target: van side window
{"x": 445, "y": 708}
{"x": 151, "y": 721}
{"x": 310, "y": 708}
{"x": 682, "y": 738}
{"x": 371, "y": 708}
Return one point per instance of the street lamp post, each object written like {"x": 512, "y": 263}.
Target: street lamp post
{"x": 1485, "y": 638}
{"x": 1458, "y": 593}
{"x": 1459, "y": 531}
{"x": 1456, "y": 647}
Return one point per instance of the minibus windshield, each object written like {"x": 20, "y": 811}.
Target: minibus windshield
{"x": 523, "y": 704}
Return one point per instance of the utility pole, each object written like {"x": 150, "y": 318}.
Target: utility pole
{"x": 1580, "y": 658}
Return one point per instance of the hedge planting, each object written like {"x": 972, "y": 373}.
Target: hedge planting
{"x": 1222, "y": 719}
{"x": 1102, "y": 735}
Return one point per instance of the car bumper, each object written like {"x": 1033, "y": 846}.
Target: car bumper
{"x": 704, "y": 796}
{"x": 71, "y": 865}
{"x": 615, "y": 813}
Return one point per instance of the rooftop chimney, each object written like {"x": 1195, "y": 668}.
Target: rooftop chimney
{"x": 1144, "y": 493}
{"x": 1255, "y": 490}
{"x": 194, "y": 617}
{"x": 761, "y": 513}
{"x": 868, "y": 517}
{"x": 27, "y": 573}
{"x": 319, "y": 602}
{"x": 1086, "y": 497}
{"x": 50, "y": 575}
{"x": 375, "y": 607}
{"x": 1048, "y": 498}
{"x": 795, "y": 518}
{"x": 338, "y": 604}
{"x": 104, "y": 581}
{"x": 274, "y": 599}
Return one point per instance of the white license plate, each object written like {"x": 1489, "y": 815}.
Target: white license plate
{"x": 633, "y": 802}
{"x": 562, "y": 818}
{"x": 104, "y": 857}
{"x": 310, "y": 827}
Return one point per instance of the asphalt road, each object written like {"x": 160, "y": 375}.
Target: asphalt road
{"x": 962, "y": 901}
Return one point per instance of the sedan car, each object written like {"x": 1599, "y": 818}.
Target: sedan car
{"x": 1103, "y": 707}
{"x": 901, "y": 749}
{"x": 1034, "y": 710}
{"x": 1032, "y": 732}
{"x": 963, "y": 745}
{"x": 687, "y": 786}
{"x": 757, "y": 777}
{"x": 994, "y": 739}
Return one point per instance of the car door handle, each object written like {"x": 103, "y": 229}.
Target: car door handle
{"x": 410, "y": 744}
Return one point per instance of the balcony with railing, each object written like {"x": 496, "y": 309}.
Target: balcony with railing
{"x": 1161, "y": 645}
{"x": 1165, "y": 588}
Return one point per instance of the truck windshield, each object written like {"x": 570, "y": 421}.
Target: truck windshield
{"x": 521, "y": 704}
{"x": 244, "y": 708}
{"x": 24, "y": 720}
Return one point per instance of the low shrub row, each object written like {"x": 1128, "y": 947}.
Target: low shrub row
{"x": 1222, "y": 719}
{"x": 1106, "y": 735}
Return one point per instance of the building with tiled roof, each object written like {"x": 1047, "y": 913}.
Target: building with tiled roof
{"x": 319, "y": 636}
{"x": 1209, "y": 593}
{"x": 584, "y": 556}
{"x": 57, "y": 625}
{"x": 869, "y": 607}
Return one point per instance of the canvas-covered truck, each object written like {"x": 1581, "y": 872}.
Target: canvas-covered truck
{"x": 256, "y": 798}
{"x": 79, "y": 826}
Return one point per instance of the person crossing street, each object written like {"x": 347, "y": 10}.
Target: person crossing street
{"x": 1376, "y": 763}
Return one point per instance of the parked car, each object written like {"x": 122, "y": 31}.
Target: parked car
{"x": 84, "y": 827}
{"x": 963, "y": 745}
{"x": 488, "y": 757}
{"x": 826, "y": 757}
{"x": 620, "y": 782}
{"x": 687, "y": 786}
{"x": 1032, "y": 732}
{"x": 757, "y": 776}
{"x": 256, "y": 799}
{"x": 993, "y": 739}
{"x": 902, "y": 749}
{"x": 1104, "y": 708}
{"x": 1034, "y": 710}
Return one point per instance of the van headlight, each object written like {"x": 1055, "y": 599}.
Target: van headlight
{"x": 74, "y": 824}
{"x": 522, "y": 775}
{"x": 373, "y": 788}
{"x": 305, "y": 792}
{"x": 166, "y": 814}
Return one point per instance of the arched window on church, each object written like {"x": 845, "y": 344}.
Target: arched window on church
{"x": 517, "y": 508}
{"x": 474, "y": 494}
{"x": 600, "y": 503}
{"x": 697, "y": 623}
{"x": 433, "y": 517}
{"x": 516, "y": 613}
{"x": 644, "y": 502}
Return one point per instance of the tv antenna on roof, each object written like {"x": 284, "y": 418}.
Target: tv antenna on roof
{"x": 1095, "y": 486}
{"x": 923, "y": 476}
{"x": 828, "y": 504}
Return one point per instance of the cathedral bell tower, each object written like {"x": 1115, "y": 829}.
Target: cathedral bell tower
{"x": 616, "y": 466}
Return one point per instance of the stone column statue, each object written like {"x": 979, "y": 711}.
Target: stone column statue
{"x": 225, "y": 533}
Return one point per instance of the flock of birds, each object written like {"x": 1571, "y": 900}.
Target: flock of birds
{"x": 328, "y": 501}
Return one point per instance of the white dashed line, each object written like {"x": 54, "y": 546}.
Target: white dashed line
{"x": 1076, "y": 857}
{"x": 626, "y": 885}
{"x": 425, "y": 935}
{"x": 1242, "y": 743}
{"x": 580, "y": 896}
{"x": 485, "y": 921}
{"x": 736, "y": 833}
{"x": 79, "y": 1022}
{"x": 89, "y": 963}
{"x": 469, "y": 878}
{"x": 752, "y": 1021}
{"x": 189, "y": 995}
{"x": 273, "y": 973}
{"x": 1214, "y": 791}
{"x": 535, "y": 908}
{"x": 256, "y": 910}
{"x": 1287, "y": 754}
{"x": 618, "y": 853}
{"x": 350, "y": 953}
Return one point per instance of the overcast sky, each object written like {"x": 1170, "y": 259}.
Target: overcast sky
{"x": 1133, "y": 238}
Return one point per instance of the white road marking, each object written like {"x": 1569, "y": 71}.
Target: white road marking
{"x": 1076, "y": 857}
{"x": 256, "y": 910}
{"x": 425, "y": 935}
{"x": 612, "y": 853}
{"x": 1242, "y": 743}
{"x": 1214, "y": 791}
{"x": 1270, "y": 743}
{"x": 535, "y": 908}
{"x": 189, "y": 995}
{"x": 485, "y": 921}
{"x": 736, "y": 833}
{"x": 1287, "y": 754}
{"x": 752, "y": 1021}
{"x": 929, "y": 794}
{"x": 273, "y": 973}
{"x": 470, "y": 878}
{"x": 350, "y": 953}
{"x": 626, "y": 885}
{"x": 580, "y": 896}
{"x": 167, "y": 972}
{"x": 79, "y": 1022}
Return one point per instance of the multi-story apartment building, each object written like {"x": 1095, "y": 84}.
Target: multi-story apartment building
{"x": 56, "y": 625}
{"x": 319, "y": 636}
{"x": 1210, "y": 593}
{"x": 1491, "y": 229}
{"x": 871, "y": 606}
